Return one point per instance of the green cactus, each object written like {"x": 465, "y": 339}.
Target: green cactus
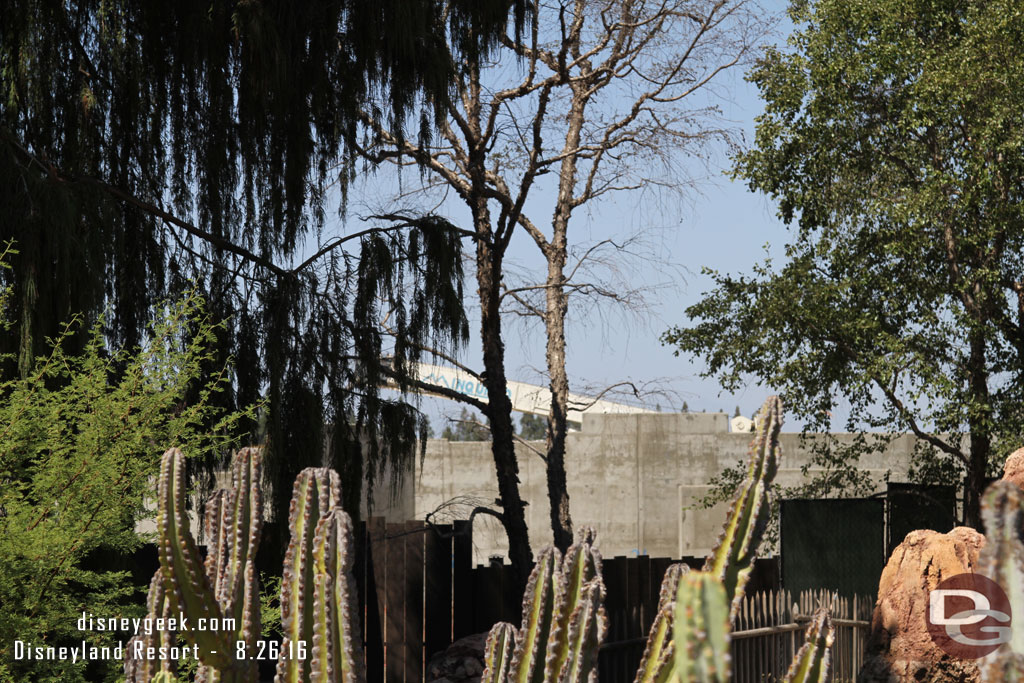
{"x": 316, "y": 492}
{"x": 701, "y": 629}
{"x": 733, "y": 560}
{"x": 498, "y": 651}
{"x": 143, "y": 669}
{"x": 813, "y": 661}
{"x": 318, "y": 608}
{"x": 1002, "y": 560}
{"x": 225, "y": 589}
{"x": 658, "y": 660}
{"x": 563, "y": 614}
{"x": 563, "y": 620}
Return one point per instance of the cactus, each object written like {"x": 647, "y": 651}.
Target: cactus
{"x": 1002, "y": 560}
{"x": 733, "y": 559}
{"x": 318, "y": 608}
{"x": 157, "y": 604}
{"x": 689, "y": 639}
{"x": 563, "y": 615}
{"x": 315, "y": 493}
{"x": 659, "y": 653}
{"x": 701, "y": 629}
{"x": 563, "y": 620}
{"x": 812, "y": 662}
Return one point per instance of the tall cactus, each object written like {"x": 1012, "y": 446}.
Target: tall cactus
{"x": 316, "y": 492}
{"x": 224, "y": 590}
{"x": 318, "y": 608}
{"x": 143, "y": 669}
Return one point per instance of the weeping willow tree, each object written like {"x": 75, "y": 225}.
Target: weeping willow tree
{"x": 147, "y": 146}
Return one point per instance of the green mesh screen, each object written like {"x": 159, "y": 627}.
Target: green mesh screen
{"x": 834, "y": 544}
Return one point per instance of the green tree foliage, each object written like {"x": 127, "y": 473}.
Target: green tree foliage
{"x": 532, "y": 427}
{"x": 147, "y": 145}
{"x": 80, "y": 440}
{"x": 467, "y": 428}
{"x": 892, "y": 143}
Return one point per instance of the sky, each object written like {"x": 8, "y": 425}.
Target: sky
{"x": 718, "y": 224}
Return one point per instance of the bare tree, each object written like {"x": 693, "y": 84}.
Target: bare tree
{"x": 601, "y": 94}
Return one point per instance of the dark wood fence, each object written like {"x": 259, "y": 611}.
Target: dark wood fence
{"x": 424, "y": 594}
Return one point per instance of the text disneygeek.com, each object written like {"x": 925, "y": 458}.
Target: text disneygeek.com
{"x": 142, "y": 649}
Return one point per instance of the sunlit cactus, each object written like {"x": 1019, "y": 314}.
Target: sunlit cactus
{"x": 224, "y": 590}
{"x": 335, "y": 635}
{"x": 813, "y": 661}
{"x": 563, "y": 620}
{"x": 563, "y": 617}
{"x": 733, "y": 560}
{"x": 316, "y": 492}
{"x": 142, "y": 669}
{"x": 659, "y": 653}
{"x": 319, "y": 612}
{"x": 498, "y": 653}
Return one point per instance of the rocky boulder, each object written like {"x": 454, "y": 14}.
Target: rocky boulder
{"x": 899, "y": 647}
{"x": 1013, "y": 469}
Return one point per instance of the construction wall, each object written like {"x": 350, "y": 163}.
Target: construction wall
{"x": 633, "y": 478}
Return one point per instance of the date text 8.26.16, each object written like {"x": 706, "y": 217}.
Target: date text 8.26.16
{"x": 270, "y": 649}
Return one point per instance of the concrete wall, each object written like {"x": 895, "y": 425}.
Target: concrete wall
{"x": 632, "y": 477}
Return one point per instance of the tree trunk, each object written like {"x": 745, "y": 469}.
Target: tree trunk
{"x": 554, "y": 322}
{"x": 499, "y": 411}
{"x": 979, "y": 420}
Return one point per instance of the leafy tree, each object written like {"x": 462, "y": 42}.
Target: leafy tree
{"x": 80, "y": 440}
{"x": 892, "y": 143}
{"x": 532, "y": 427}
{"x": 467, "y": 428}
{"x": 147, "y": 145}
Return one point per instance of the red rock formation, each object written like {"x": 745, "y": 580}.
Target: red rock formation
{"x": 1013, "y": 470}
{"x": 899, "y": 646}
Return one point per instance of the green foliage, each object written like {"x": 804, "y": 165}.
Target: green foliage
{"x": 891, "y": 142}
{"x": 532, "y": 427}
{"x": 467, "y": 428}
{"x": 78, "y": 447}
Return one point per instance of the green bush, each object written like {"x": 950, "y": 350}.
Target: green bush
{"x": 80, "y": 444}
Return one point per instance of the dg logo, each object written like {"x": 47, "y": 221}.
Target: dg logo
{"x": 969, "y": 616}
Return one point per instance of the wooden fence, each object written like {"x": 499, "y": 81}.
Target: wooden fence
{"x": 770, "y": 629}
{"x": 424, "y": 594}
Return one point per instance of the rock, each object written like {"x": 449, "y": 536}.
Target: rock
{"x": 461, "y": 662}
{"x": 1013, "y": 469}
{"x": 899, "y": 647}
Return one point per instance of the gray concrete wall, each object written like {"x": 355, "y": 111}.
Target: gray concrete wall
{"x": 634, "y": 478}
